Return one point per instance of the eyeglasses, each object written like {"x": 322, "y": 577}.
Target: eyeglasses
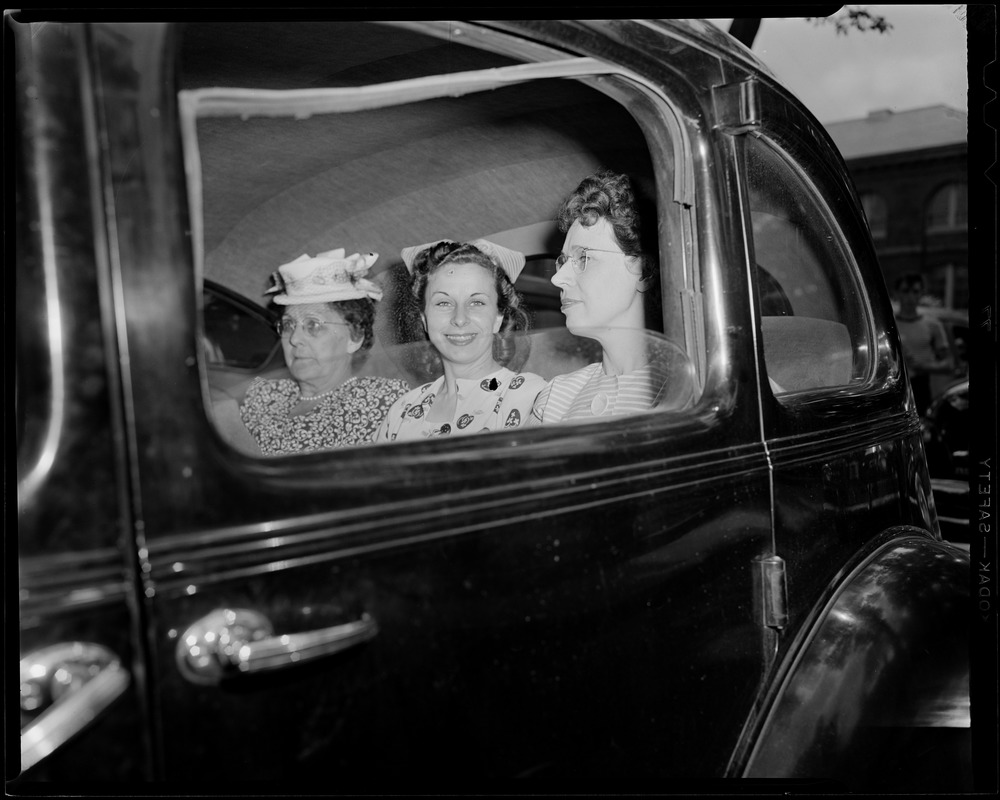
{"x": 313, "y": 327}
{"x": 579, "y": 256}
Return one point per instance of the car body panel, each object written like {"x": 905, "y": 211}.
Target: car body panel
{"x": 77, "y": 573}
{"x": 871, "y": 639}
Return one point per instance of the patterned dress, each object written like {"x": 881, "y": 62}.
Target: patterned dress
{"x": 351, "y": 415}
{"x": 502, "y": 399}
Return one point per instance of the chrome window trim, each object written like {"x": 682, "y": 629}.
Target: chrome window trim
{"x": 784, "y": 148}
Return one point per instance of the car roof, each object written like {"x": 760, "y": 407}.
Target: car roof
{"x": 269, "y": 190}
{"x": 270, "y": 186}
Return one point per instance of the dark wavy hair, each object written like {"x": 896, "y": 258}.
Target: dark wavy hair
{"x": 359, "y": 314}
{"x": 609, "y": 195}
{"x": 509, "y": 302}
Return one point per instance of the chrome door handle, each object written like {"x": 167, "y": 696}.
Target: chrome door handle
{"x": 70, "y": 683}
{"x": 229, "y": 642}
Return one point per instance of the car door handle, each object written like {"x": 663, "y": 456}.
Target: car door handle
{"x": 70, "y": 684}
{"x": 229, "y": 642}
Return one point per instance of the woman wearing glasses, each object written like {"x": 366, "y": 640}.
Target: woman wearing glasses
{"x": 326, "y": 328}
{"x": 605, "y": 281}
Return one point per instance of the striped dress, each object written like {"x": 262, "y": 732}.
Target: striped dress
{"x": 589, "y": 394}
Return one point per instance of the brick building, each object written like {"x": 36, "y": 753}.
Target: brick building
{"x": 911, "y": 170}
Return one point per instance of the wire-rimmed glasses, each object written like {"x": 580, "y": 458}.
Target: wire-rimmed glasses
{"x": 578, "y": 257}
{"x": 313, "y": 327}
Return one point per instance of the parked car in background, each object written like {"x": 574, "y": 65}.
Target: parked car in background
{"x": 956, "y": 326}
{"x": 751, "y": 583}
{"x": 955, "y": 322}
{"x": 947, "y": 440}
{"x": 946, "y": 424}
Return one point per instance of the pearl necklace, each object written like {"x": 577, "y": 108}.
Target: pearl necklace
{"x": 319, "y": 396}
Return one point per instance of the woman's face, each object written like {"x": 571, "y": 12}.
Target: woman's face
{"x": 460, "y": 313}
{"x": 320, "y": 343}
{"x": 606, "y": 294}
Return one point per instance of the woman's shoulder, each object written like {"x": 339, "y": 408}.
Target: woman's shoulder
{"x": 556, "y": 397}
{"x": 579, "y": 376}
{"x": 377, "y": 391}
{"x": 266, "y": 387}
{"x": 409, "y": 395}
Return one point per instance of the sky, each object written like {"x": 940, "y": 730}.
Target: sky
{"x": 922, "y": 61}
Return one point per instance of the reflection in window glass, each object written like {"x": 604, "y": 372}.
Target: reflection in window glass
{"x": 813, "y": 316}
{"x": 237, "y": 334}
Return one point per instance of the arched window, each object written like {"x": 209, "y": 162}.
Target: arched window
{"x": 948, "y": 209}
{"x": 875, "y": 211}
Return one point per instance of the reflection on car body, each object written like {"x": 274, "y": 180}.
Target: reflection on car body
{"x": 629, "y": 603}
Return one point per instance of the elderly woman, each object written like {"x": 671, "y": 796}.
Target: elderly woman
{"x": 605, "y": 278}
{"x": 327, "y": 325}
{"x": 469, "y": 310}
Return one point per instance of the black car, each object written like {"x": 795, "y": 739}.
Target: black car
{"x": 751, "y": 584}
{"x": 947, "y": 440}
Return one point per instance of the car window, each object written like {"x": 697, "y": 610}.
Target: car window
{"x": 813, "y": 316}
{"x": 277, "y": 173}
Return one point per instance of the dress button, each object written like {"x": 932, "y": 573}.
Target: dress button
{"x": 599, "y": 404}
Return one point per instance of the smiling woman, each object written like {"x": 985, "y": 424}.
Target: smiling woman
{"x": 469, "y": 308}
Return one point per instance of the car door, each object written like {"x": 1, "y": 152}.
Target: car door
{"x": 839, "y": 431}
{"x": 82, "y": 708}
{"x": 860, "y": 691}
{"x": 564, "y": 602}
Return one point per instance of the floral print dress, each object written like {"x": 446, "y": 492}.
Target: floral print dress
{"x": 500, "y": 400}
{"x": 349, "y": 416}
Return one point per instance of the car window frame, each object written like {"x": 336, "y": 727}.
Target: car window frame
{"x": 611, "y": 79}
{"x": 829, "y": 222}
{"x": 805, "y": 147}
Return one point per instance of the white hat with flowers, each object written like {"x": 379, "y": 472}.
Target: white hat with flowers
{"x": 326, "y": 277}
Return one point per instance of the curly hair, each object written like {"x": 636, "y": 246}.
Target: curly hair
{"x": 359, "y": 314}
{"x": 509, "y": 302}
{"x": 609, "y": 195}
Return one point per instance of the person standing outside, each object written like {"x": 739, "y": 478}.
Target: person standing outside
{"x": 924, "y": 341}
